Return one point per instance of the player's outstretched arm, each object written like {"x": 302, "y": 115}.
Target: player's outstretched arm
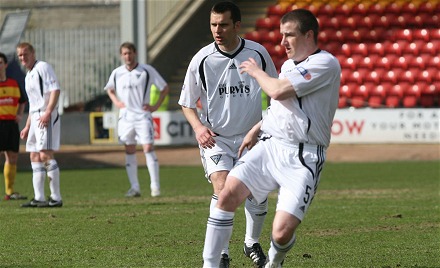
{"x": 277, "y": 89}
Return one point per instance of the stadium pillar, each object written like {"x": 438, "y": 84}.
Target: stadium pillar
{"x": 133, "y": 25}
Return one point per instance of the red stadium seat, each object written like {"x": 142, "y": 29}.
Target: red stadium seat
{"x": 400, "y": 62}
{"x": 359, "y": 9}
{"x": 359, "y": 96}
{"x": 376, "y": 95}
{"x": 394, "y": 96}
{"x": 268, "y": 23}
{"x": 403, "y": 34}
{"x": 255, "y": 35}
{"x": 420, "y": 34}
{"x": 411, "y": 96}
{"x": 344, "y": 96}
{"x": 342, "y": 9}
{"x": 393, "y": 8}
{"x": 276, "y": 10}
{"x": 375, "y": 9}
{"x": 367, "y": 62}
{"x": 274, "y": 37}
{"x": 378, "y": 48}
{"x": 434, "y": 34}
{"x": 346, "y": 22}
{"x": 373, "y": 76}
{"x": 325, "y": 10}
{"x": 426, "y": 7}
{"x": 431, "y": 61}
{"x": 409, "y": 7}
{"x": 360, "y": 49}
{"x": 429, "y": 95}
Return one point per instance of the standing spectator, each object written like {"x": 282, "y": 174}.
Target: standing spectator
{"x": 12, "y": 104}
{"x": 42, "y": 128}
{"x": 231, "y": 105}
{"x": 129, "y": 88}
{"x": 297, "y": 132}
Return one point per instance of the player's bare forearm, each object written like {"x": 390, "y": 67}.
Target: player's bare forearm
{"x": 112, "y": 95}
{"x": 277, "y": 89}
{"x": 204, "y": 135}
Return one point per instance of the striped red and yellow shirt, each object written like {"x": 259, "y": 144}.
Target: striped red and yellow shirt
{"x": 10, "y": 98}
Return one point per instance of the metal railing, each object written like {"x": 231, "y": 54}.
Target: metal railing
{"x": 82, "y": 59}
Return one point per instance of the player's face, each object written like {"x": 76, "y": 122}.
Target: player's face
{"x": 295, "y": 43}
{"x": 129, "y": 57}
{"x": 26, "y": 57}
{"x": 224, "y": 31}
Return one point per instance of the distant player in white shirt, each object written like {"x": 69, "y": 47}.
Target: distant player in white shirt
{"x": 129, "y": 88}
{"x": 231, "y": 105}
{"x": 296, "y": 134}
{"x": 42, "y": 128}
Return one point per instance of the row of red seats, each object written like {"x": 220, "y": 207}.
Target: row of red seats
{"x": 395, "y": 75}
{"x": 345, "y": 9}
{"x": 389, "y": 62}
{"x": 389, "y": 95}
{"x": 343, "y": 34}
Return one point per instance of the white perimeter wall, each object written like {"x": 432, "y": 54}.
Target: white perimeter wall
{"x": 349, "y": 126}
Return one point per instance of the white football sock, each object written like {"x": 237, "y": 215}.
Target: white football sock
{"x": 153, "y": 169}
{"x": 38, "y": 178}
{"x": 255, "y": 215}
{"x": 277, "y": 253}
{"x": 214, "y": 200}
{"x": 132, "y": 171}
{"x": 53, "y": 172}
{"x": 218, "y": 232}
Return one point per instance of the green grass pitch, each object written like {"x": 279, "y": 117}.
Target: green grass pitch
{"x": 364, "y": 215}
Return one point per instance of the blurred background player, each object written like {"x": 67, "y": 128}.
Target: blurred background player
{"x": 42, "y": 128}
{"x": 297, "y": 132}
{"x": 12, "y": 104}
{"x": 231, "y": 105}
{"x": 129, "y": 88}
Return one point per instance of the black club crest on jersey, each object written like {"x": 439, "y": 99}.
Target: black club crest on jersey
{"x": 216, "y": 158}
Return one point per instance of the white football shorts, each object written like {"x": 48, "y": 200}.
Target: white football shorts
{"x": 223, "y": 155}
{"x": 47, "y": 138}
{"x": 135, "y": 128}
{"x": 293, "y": 169}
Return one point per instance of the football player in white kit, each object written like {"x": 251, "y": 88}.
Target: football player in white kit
{"x": 231, "y": 105}
{"x": 296, "y": 134}
{"x": 42, "y": 128}
{"x": 129, "y": 88}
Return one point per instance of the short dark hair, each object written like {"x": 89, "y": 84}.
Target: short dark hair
{"x": 3, "y": 56}
{"x": 305, "y": 19}
{"x": 128, "y": 45}
{"x": 222, "y": 7}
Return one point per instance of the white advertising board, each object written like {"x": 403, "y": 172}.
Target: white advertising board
{"x": 349, "y": 126}
{"x": 386, "y": 126}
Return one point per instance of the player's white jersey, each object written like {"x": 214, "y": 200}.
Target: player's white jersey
{"x": 307, "y": 118}
{"x": 231, "y": 102}
{"x": 133, "y": 87}
{"x": 39, "y": 83}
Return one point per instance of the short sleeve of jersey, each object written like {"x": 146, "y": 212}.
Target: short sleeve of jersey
{"x": 111, "y": 81}
{"x": 192, "y": 85}
{"x": 312, "y": 74}
{"x": 155, "y": 77}
{"x": 50, "y": 81}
